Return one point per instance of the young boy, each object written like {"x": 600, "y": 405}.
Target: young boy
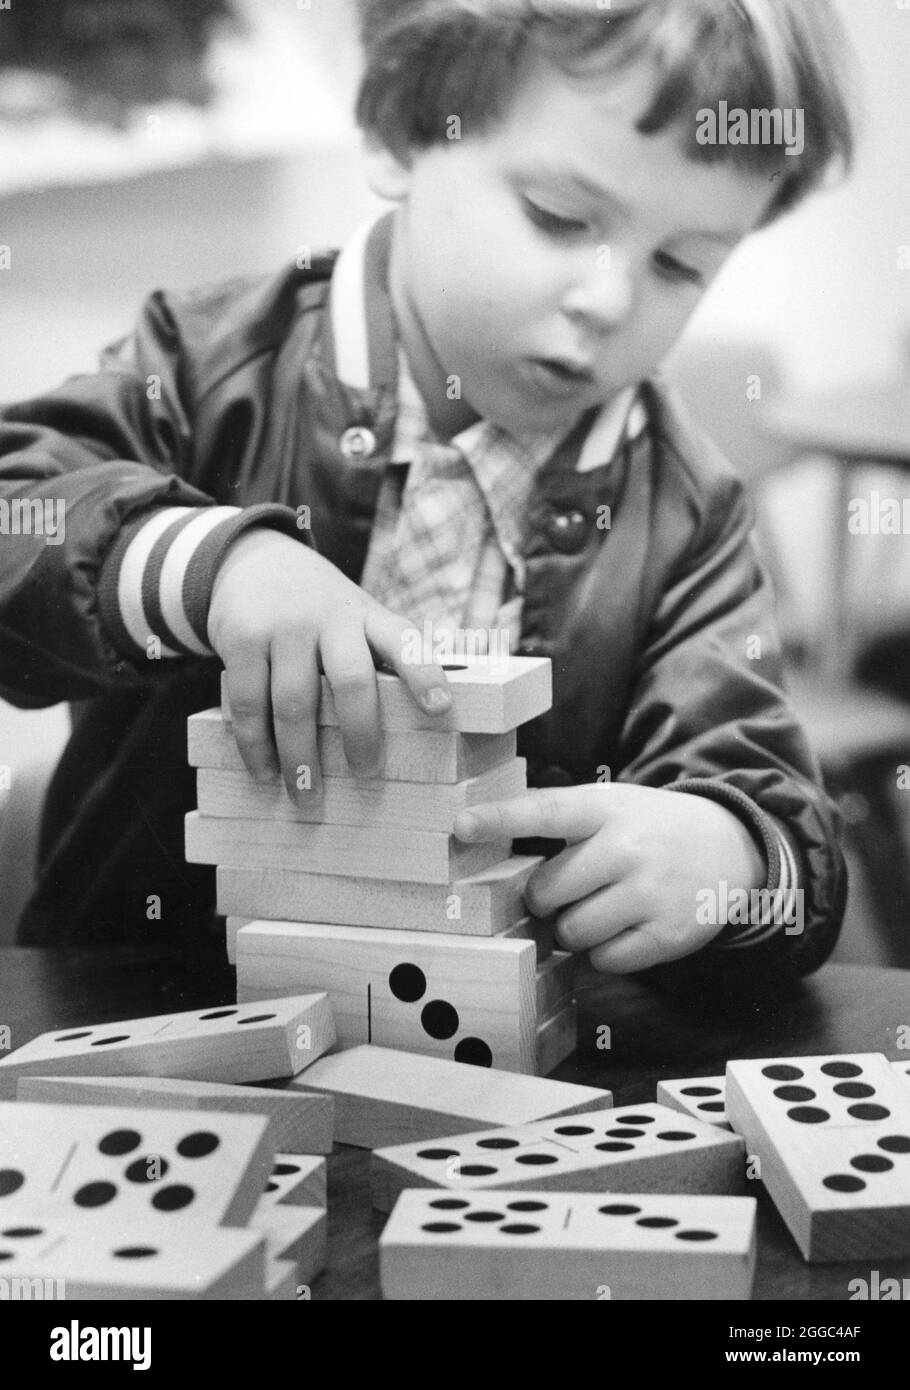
{"x": 455, "y": 422}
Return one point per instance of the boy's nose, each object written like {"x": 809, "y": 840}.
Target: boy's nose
{"x": 603, "y": 298}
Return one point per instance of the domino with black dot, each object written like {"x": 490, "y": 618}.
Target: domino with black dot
{"x": 642, "y": 1148}
{"x": 518, "y": 1245}
{"x": 832, "y": 1135}
{"x": 700, "y": 1097}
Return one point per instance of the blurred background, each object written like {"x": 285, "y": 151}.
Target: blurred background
{"x": 148, "y": 143}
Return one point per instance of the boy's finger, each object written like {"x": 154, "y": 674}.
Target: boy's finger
{"x": 427, "y": 681}
{"x": 598, "y": 918}
{"x": 551, "y": 813}
{"x": 295, "y": 704}
{"x": 247, "y": 679}
{"x": 572, "y": 875}
{"x": 349, "y": 671}
{"x": 637, "y": 949}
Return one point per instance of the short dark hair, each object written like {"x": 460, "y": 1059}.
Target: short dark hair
{"x": 427, "y": 60}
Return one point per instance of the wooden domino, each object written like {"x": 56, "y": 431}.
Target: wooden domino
{"x": 295, "y": 1181}
{"x": 413, "y": 855}
{"x": 471, "y": 1000}
{"x": 414, "y": 756}
{"x": 228, "y": 1044}
{"x": 555, "y": 982}
{"x": 296, "y": 1234}
{"x": 421, "y": 806}
{"x": 146, "y": 1262}
{"x": 642, "y": 1148}
{"x": 833, "y": 1138}
{"x": 132, "y": 1165}
{"x": 553, "y": 1246}
{"x": 300, "y": 1124}
{"x": 383, "y": 1096}
{"x": 702, "y": 1097}
{"x": 538, "y": 930}
{"x": 488, "y": 697}
{"x": 280, "y": 1281}
{"x": 482, "y": 904}
{"x": 557, "y": 1038}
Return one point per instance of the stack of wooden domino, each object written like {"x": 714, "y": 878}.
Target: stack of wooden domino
{"x": 135, "y": 1165}
{"x": 420, "y": 941}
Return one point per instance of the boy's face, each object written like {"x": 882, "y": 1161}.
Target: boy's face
{"x": 555, "y": 259}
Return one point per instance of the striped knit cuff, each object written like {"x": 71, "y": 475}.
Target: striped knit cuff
{"x": 156, "y": 581}
{"x": 769, "y": 911}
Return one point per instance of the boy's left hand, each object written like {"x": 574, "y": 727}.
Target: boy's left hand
{"x": 625, "y": 887}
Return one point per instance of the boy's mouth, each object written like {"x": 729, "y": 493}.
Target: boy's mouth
{"x": 560, "y": 376}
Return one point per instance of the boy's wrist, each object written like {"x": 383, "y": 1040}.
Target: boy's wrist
{"x": 156, "y": 583}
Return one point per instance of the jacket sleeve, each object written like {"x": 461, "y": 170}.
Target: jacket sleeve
{"x": 709, "y": 716}
{"x": 107, "y": 550}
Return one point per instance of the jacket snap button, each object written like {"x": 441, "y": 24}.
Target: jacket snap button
{"x": 569, "y": 531}
{"x": 358, "y": 443}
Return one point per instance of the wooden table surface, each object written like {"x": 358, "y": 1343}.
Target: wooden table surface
{"x": 840, "y": 1009}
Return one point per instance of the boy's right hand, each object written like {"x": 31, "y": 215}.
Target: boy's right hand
{"x": 279, "y": 612}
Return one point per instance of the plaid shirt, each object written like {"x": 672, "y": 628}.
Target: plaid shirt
{"x": 447, "y": 541}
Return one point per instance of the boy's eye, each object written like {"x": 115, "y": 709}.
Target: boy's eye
{"x": 554, "y": 223}
{"x": 672, "y": 269}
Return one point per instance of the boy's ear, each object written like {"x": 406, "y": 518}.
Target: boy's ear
{"x": 388, "y": 173}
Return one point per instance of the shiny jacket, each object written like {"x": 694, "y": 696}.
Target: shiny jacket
{"x": 651, "y": 625}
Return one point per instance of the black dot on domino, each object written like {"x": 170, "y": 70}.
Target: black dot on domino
{"x": 871, "y": 1163}
{"x": 497, "y": 1144}
{"x": 147, "y": 1170}
{"x": 136, "y": 1252}
{"x": 408, "y": 983}
{"x": 439, "y": 1020}
{"x": 10, "y": 1181}
{"x": 779, "y": 1072}
{"x": 119, "y": 1142}
{"x": 868, "y": 1112}
{"x": 794, "y": 1093}
{"x": 844, "y": 1182}
{"x": 173, "y": 1198}
{"x": 198, "y": 1145}
{"x": 95, "y": 1194}
{"x": 474, "y": 1051}
{"x": 441, "y": 1228}
{"x": 808, "y": 1115}
{"x": 484, "y": 1216}
{"x": 895, "y": 1144}
{"x": 842, "y": 1069}
{"x": 437, "y": 1155}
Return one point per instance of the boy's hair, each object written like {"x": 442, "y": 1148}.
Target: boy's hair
{"x": 429, "y": 60}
